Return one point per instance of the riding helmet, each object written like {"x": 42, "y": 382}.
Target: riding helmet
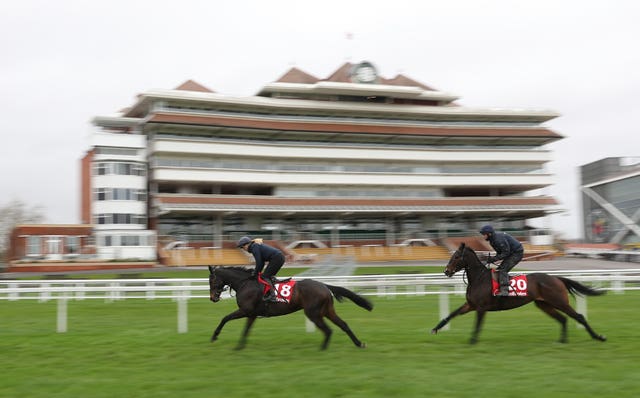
{"x": 487, "y": 229}
{"x": 243, "y": 241}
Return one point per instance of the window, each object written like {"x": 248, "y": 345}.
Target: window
{"x": 103, "y": 219}
{"x": 130, "y": 240}
{"x": 101, "y": 169}
{"x": 139, "y": 169}
{"x": 122, "y": 168}
{"x": 100, "y": 194}
{"x": 33, "y": 245}
{"x": 116, "y": 151}
{"x": 73, "y": 244}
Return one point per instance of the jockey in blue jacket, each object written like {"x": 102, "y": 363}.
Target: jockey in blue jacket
{"x": 264, "y": 253}
{"x": 508, "y": 249}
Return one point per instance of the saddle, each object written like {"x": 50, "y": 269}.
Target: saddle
{"x": 282, "y": 287}
{"x": 517, "y": 285}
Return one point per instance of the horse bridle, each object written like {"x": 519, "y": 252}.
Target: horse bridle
{"x": 213, "y": 281}
{"x": 466, "y": 267}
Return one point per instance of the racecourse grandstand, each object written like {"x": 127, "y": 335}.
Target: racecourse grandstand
{"x": 356, "y": 160}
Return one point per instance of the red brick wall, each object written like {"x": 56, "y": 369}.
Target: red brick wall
{"x": 85, "y": 188}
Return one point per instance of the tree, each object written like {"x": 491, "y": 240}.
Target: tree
{"x": 14, "y": 213}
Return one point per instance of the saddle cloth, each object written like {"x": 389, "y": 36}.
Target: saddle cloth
{"x": 517, "y": 285}
{"x": 284, "y": 288}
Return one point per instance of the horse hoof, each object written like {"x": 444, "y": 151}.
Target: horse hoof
{"x": 363, "y": 345}
{"x": 473, "y": 341}
{"x": 434, "y": 331}
{"x": 602, "y": 338}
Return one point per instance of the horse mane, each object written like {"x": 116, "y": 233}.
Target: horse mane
{"x": 238, "y": 269}
{"x": 463, "y": 246}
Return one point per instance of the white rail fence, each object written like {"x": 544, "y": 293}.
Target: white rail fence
{"x": 181, "y": 290}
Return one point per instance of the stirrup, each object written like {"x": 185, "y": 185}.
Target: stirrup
{"x": 270, "y": 297}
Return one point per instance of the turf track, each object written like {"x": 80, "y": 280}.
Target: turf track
{"x": 131, "y": 349}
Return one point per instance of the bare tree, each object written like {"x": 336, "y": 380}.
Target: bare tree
{"x": 13, "y": 213}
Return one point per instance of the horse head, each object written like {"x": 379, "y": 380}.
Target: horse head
{"x": 216, "y": 285}
{"x": 456, "y": 262}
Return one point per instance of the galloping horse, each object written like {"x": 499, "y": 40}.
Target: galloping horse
{"x": 549, "y": 293}
{"x": 314, "y": 297}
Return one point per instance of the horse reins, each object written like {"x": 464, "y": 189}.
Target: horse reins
{"x": 466, "y": 267}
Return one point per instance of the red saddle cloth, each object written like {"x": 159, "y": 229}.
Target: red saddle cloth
{"x": 517, "y": 285}
{"x": 283, "y": 289}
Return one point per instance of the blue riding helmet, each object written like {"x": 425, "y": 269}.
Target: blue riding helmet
{"x": 243, "y": 241}
{"x": 487, "y": 229}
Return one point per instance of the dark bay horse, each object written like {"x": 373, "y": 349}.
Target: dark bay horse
{"x": 315, "y": 298}
{"x": 549, "y": 293}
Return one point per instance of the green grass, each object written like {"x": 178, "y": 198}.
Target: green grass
{"x": 131, "y": 349}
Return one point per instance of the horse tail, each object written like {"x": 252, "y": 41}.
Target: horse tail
{"x": 340, "y": 292}
{"x": 576, "y": 287}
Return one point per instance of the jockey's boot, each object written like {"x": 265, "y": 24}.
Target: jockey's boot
{"x": 270, "y": 296}
{"x": 503, "y": 280}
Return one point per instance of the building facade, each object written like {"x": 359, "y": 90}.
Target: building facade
{"x": 114, "y": 194}
{"x": 50, "y": 243}
{"x": 610, "y": 190}
{"x": 354, "y": 156}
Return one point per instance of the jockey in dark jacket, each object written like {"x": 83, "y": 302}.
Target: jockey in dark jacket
{"x": 508, "y": 249}
{"x": 264, "y": 253}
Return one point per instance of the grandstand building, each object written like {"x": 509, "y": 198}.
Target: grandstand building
{"x": 351, "y": 157}
{"x": 611, "y": 200}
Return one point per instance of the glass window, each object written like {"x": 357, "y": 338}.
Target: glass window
{"x": 139, "y": 169}
{"x": 33, "y": 245}
{"x": 100, "y": 194}
{"x": 130, "y": 240}
{"x": 73, "y": 244}
{"x": 101, "y": 168}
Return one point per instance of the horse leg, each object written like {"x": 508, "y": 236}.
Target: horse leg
{"x": 343, "y": 325}
{"x": 245, "y": 333}
{"x": 549, "y": 310}
{"x": 234, "y": 315}
{"x": 315, "y": 317}
{"x": 567, "y": 309}
{"x": 476, "y": 330}
{"x": 463, "y": 309}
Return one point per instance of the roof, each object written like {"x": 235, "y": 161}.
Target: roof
{"x": 295, "y": 75}
{"x": 191, "y": 85}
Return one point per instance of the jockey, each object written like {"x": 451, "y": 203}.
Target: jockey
{"x": 508, "y": 249}
{"x": 264, "y": 253}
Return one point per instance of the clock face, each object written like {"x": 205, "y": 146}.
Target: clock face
{"x": 364, "y": 72}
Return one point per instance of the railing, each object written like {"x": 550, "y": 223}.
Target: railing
{"x": 181, "y": 290}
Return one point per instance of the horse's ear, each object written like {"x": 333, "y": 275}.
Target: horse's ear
{"x": 210, "y": 269}
{"x": 461, "y": 246}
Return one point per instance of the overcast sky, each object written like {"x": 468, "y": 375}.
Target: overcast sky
{"x": 64, "y": 62}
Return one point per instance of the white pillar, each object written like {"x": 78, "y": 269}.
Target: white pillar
{"x": 309, "y": 326}
{"x": 581, "y": 308}
{"x": 62, "y": 314}
{"x": 182, "y": 314}
{"x": 444, "y": 306}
